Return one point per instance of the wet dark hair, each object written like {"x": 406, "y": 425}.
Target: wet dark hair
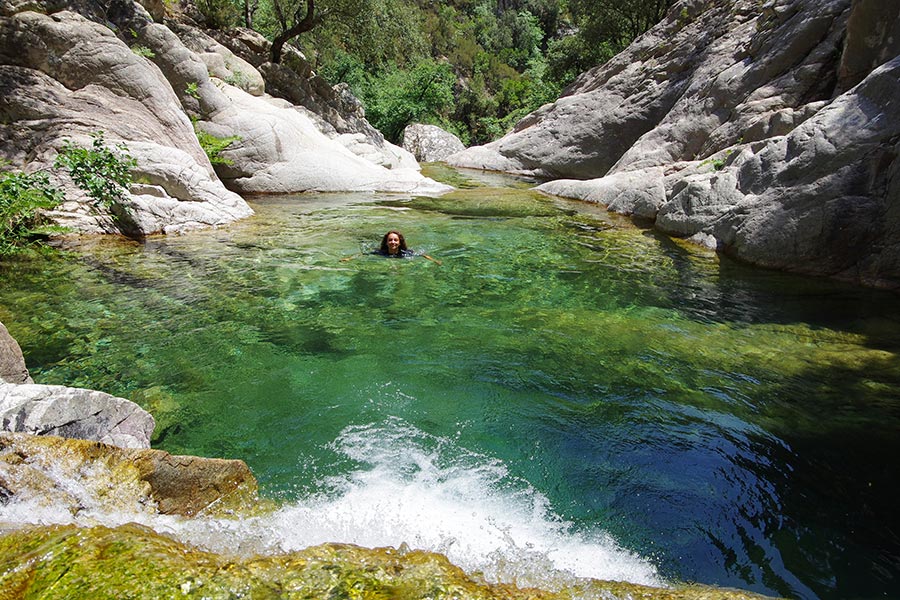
{"x": 384, "y": 246}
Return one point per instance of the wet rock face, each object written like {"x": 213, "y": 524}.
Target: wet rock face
{"x": 63, "y": 561}
{"x": 75, "y": 475}
{"x": 768, "y": 133}
{"x": 187, "y": 485}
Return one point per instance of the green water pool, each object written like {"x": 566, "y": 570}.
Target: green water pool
{"x": 723, "y": 424}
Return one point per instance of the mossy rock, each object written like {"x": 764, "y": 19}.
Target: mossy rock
{"x": 123, "y": 479}
{"x": 133, "y": 561}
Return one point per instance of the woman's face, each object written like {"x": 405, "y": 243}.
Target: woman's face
{"x": 393, "y": 243}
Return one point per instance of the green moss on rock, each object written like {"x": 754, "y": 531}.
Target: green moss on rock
{"x": 133, "y": 561}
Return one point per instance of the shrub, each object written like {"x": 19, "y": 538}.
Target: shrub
{"x": 143, "y": 51}
{"x": 192, "y": 90}
{"x": 22, "y": 197}
{"x": 101, "y": 172}
{"x": 219, "y": 14}
{"x": 213, "y": 146}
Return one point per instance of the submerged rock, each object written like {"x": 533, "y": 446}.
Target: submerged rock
{"x": 66, "y": 562}
{"x": 65, "y": 411}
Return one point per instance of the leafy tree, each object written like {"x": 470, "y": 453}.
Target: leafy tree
{"x": 618, "y": 21}
{"x": 219, "y": 14}
{"x": 249, "y": 10}
{"x": 294, "y": 18}
{"x": 506, "y": 57}
{"x": 380, "y": 33}
{"x": 396, "y": 98}
{"x": 598, "y": 31}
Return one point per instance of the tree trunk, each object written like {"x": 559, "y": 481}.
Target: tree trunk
{"x": 299, "y": 26}
{"x": 250, "y": 7}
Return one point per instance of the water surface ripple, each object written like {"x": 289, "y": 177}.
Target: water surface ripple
{"x": 566, "y": 390}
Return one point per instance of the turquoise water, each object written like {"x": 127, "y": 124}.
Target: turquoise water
{"x": 564, "y": 387}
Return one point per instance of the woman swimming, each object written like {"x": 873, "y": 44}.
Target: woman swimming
{"x": 393, "y": 245}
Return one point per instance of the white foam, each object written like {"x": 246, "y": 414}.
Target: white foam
{"x": 428, "y": 494}
{"x": 406, "y": 488}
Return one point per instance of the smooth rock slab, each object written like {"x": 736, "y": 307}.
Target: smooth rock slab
{"x": 74, "y": 412}
{"x": 639, "y": 193}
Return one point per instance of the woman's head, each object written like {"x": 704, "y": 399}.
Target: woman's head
{"x": 393, "y": 243}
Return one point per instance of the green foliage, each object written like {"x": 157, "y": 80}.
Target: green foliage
{"x": 220, "y": 14}
{"x": 395, "y": 98}
{"x": 100, "y": 171}
{"x": 22, "y": 197}
{"x": 506, "y": 57}
{"x": 572, "y": 55}
{"x": 143, "y": 51}
{"x": 237, "y": 79}
{"x": 213, "y": 146}
{"x": 719, "y": 163}
{"x": 192, "y": 90}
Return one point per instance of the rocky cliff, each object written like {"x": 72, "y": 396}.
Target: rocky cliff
{"x": 767, "y": 129}
{"x": 68, "y": 70}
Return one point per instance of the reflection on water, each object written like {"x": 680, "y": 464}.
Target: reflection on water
{"x": 654, "y": 410}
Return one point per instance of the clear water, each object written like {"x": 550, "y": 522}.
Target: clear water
{"x": 564, "y": 392}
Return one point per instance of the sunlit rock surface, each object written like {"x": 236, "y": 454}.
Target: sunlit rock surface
{"x": 430, "y": 143}
{"x": 282, "y": 151}
{"x": 45, "y": 472}
{"x": 112, "y": 69}
{"x": 74, "y": 412}
{"x": 134, "y": 561}
{"x": 768, "y": 132}
{"x": 78, "y": 78}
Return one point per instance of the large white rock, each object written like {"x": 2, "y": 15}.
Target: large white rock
{"x": 77, "y": 78}
{"x": 430, "y": 143}
{"x": 282, "y": 151}
{"x": 691, "y": 86}
{"x": 220, "y": 61}
{"x": 74, "y": 412}
{"x": 769, "y": 132}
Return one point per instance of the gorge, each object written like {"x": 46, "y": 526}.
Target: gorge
{"x": 572, "y": 394}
